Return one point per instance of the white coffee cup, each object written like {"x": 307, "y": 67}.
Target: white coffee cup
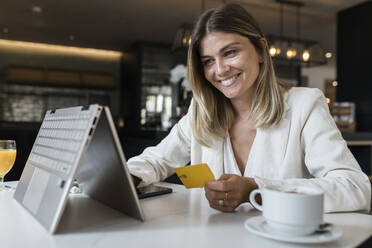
{"x": 290, "y": 213}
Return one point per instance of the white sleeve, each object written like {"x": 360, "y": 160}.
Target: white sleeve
{"x": 329, "y": 161}
{"x": 157, "y": 162}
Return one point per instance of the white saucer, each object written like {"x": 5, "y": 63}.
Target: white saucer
{"x": 258, "y": 226}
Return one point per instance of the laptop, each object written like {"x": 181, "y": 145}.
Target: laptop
{"x": 78, "y": 143}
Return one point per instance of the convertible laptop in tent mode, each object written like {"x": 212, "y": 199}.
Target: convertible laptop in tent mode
{"x": 76, "y": 143}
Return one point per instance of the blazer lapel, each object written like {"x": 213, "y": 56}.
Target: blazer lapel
{"x": 271, "y": 147}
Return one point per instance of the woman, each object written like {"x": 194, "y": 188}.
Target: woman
{"x": 252, "y": 130}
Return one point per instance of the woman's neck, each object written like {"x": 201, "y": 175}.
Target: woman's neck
{"x": 243, "y": 107}
{"x": 242, "y": 110}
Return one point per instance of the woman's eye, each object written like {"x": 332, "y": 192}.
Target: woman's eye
{"x": 207, "y": 62}
{"x": 230, "y": 52}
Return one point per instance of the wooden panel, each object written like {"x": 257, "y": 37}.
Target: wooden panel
{"x": 24, "y": 74}
{"x": 359, "y": 142}
{"x": 55, "y": 77}
{"x": 98, "y": 80}
{"x": 62, "y": 77}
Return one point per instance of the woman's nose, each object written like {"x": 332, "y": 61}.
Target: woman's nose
{"x": 221, "y": 67}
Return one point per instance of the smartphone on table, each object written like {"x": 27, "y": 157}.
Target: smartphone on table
{"x": 152, "y": 190}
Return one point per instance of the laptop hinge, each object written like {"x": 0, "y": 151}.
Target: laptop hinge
{"x": 86, "y": 107}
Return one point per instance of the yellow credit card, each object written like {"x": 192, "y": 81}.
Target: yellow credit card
{"x": 195, "y": 176}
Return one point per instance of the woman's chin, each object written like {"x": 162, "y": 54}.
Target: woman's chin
{"x": 230, "y": 95}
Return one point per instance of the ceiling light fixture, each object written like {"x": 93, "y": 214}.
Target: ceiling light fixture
{"x": 25, "y": 46}
{"x": 297, "y": 50}
{"x": 182, "y": 40}
{"x": 36, "y": 9}
{"x": 328, "y": 55}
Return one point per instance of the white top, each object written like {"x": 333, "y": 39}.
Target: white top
{"x": 305, "y": 150}
{"x": 182, "y": 219}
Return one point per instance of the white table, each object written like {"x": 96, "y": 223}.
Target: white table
{"x": 180, "y": 219}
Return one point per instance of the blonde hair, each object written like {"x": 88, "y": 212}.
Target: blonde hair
{"x": 212, "y": 112}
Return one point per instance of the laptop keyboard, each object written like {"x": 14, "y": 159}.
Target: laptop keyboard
{"x": 59, "y": 142}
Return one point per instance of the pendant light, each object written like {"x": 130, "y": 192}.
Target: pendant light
{"x": 183, "y": 37}
{"x": 296, "y": 49}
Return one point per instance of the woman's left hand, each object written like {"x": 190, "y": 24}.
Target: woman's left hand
{"x": 229, "y": 191}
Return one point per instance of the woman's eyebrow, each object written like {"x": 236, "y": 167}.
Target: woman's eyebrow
{"x": 228, "y": 45}
{"x": 222, "y": 49}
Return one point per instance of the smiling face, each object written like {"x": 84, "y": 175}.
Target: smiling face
{"x": 231, "y": 64}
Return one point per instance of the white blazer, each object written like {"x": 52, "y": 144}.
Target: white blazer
{"x": 304, "y": 150}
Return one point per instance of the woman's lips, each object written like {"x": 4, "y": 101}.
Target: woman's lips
{"x": 229, "y": 81}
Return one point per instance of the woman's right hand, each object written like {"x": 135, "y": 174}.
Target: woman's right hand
{"x": 229, "y": 191}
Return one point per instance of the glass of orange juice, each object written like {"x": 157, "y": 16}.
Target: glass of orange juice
{"x": 8, "y": 154}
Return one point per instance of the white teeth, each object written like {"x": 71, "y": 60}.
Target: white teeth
{"x": 229, "y": 81}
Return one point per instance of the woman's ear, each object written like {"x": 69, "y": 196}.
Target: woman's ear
{"x": 264, "y": 46}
